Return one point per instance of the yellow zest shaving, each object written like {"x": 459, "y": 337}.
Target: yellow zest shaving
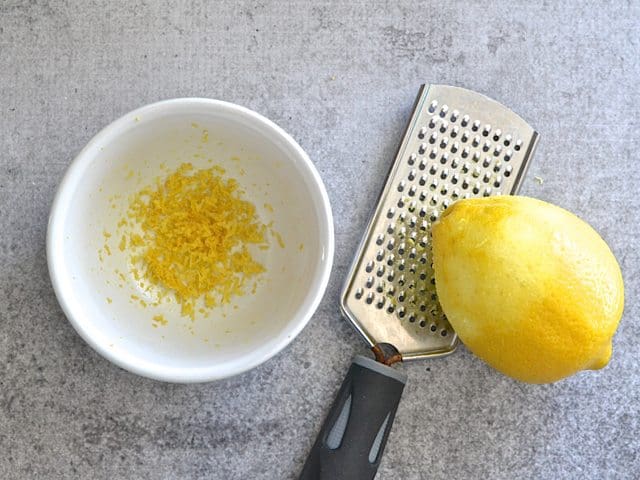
{"x": 195, "y": 232}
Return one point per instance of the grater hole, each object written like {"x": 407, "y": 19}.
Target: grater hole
{"x": 454, "y": 115}
{"x": 380, "y": 303}
{"x": 402, "y": 312}
{"x": 454, "y": 132}
{"x": 401, "y": 185}
{"x": 423, "y": 164}
{"x": 380, "y": 287}
{"x": 434, "y": 153}
{"x": 444, "y": 110}
{"x": 423, "y": 212}
{"x": 380, "y": 255}
{"x": 412, "y": 174}
{"x": 475, "y": 126}
{"x": 423, "y": 307}
{"x": 401, "y": 297}
{"x": 433, "y": 106}
{"x": 369, "y": 267}
{"x": 486, "y": 147}
{"x": 412, "y": 318}
{"x": 422, "y": 132}
{"x": 444, "y": 142}
{"x": 433, "y": 137}
{"x": 507, "y": 171}
{"x": 497, "y": 151}
{"x": 443, "y": 333}
{"x": 518, "y": 145}
{"x": 422, "y": 148}
{"x": 432, "y": 122}
{"x": 369, "y": 282}
{"x": 433, "y": 327}
{"x": 423, "y": 323}
{"x": 465, "y": 137}
{"x": 380, "y": 239}
{"x": 465, "y": 120}
{"x": 391, "y": 276}
{"x": 380, "y": 271}
{"x": 412, "y": 159}
{"x": 465, "y": 152}
{"x": 507, "y": 140}
{"x": 359, "y": 293}
{"x": 444, "y": 158}
{"x": 391, "y": 308}
{"x": 455, "y": 147}
{"x": 443, "y": 126}
{"x": 390, "y": 260}
{"x": 369, "y": 298}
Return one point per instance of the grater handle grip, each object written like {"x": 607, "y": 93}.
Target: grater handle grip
{"x": 352, "y": 439}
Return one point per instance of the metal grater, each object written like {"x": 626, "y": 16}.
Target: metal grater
{"x": 458, "y": 144}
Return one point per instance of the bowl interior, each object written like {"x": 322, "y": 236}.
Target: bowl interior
{"x": 96, "y": 288}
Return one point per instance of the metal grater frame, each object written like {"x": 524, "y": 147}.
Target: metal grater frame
{"x": 458, "y": 144}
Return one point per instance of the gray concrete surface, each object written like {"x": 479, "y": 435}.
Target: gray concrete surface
{"x": 341, "y": 78}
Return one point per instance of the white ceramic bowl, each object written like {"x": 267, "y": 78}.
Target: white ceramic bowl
{"x": 126, "y": 156}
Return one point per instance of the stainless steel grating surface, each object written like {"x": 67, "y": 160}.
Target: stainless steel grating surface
{"x": 458, "y": 144}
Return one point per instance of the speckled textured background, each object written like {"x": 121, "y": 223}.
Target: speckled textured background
{"x": 341, "y": 78}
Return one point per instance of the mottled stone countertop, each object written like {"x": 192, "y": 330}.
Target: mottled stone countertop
{"x": 341, "y": 77}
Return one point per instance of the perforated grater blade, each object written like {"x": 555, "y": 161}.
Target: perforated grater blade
{"x": 458, "y": 144}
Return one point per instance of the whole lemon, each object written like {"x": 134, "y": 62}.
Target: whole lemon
{"x": 529, "y": 287}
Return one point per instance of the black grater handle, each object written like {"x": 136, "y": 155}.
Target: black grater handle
{"x": 354, "y": 434}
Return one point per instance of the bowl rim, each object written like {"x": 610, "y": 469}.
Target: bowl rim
{"x": 55, "y": 236}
